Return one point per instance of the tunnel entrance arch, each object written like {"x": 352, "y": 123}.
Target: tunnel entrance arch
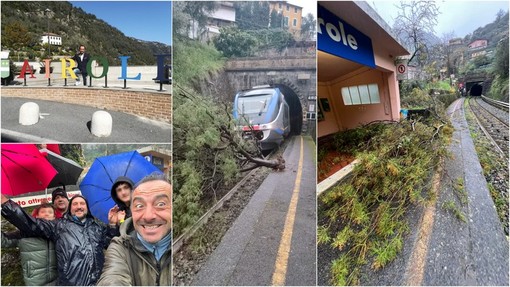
{"x": 295, "y": 106}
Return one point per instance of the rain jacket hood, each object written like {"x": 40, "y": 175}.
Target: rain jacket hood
{"x": 68, "y": 212}
{"x": 115, "y": 198}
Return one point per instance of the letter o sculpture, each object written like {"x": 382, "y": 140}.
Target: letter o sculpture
{"x": 29, "y": 114}
{"x": 101, "y": 125}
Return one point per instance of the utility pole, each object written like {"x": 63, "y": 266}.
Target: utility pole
{"x": 47, "y": 11}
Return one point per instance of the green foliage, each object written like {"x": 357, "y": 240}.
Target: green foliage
{"x": 276, "y": 19}
{"x": 385, "y": 252}
{"x": 450, "y": 206}
{"x": 322, "y": 235}
{"x": 252, "y": 14}
{"x": 233, "y": 42}
{"x": 499, "y": 89}
{"x": 396, "y": 161}
{"x": 501, "y": 59}
{"x": 308, "y": 26}
{"x": 15, "y": 36}
{"x": 194, "y": 60}
{"x": 272, "y": 38}
{"x": 340, "y": 271}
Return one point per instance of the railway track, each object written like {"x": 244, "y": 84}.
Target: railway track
{"x": 494, "y": 123}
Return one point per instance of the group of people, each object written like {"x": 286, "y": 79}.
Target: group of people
{"x": 65, "y": 244}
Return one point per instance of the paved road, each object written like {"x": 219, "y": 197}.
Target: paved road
{"x": 250, "y": 249}
{"x": 69, "y": 123}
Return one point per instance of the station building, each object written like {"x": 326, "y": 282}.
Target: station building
{"x": 357, "y": 69}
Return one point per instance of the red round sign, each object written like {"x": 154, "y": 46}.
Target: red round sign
{"x": 401, "y": 68}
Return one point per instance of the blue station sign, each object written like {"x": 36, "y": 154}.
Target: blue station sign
{"x": 337, "y": 37}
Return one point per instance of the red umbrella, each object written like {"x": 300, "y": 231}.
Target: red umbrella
{"x": 24, "y": 169}
{"x": 54, "y": 148}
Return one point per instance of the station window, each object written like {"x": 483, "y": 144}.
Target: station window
{"x": 361, "y": 95}
{"x": 295, "y": 9}
{"x": 294, "y": 22}
{"x": 288, "y": 8}
{"x": 280, "y": 5}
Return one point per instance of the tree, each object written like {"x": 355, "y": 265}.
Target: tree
{"x": 15, "y": 36}
{"x": 308, "y": 27}
{"x": 415, "y": 19}
{"x": 252, "y": 15}
{"x": 501, "y": 59}
{"x": 191, "y": 15}
{"x": 233, "y": 42}
{"x": 276, "y": 19}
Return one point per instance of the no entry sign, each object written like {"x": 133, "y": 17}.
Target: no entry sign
{"x": 401, "y": 71}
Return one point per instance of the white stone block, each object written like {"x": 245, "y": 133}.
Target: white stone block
{"x": 101, "y": 125}
{"x": 29, "y": 114}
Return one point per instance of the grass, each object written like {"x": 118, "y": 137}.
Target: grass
{"x": 396, "y": 162}
{"x": 450, "y": 206}
{"x": 460, "y": 191}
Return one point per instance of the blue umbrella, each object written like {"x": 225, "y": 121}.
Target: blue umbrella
{"x": 99, "y": 180}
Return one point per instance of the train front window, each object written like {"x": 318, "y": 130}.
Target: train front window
{"x": 253, "y": 105}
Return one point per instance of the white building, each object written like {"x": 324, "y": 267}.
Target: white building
{"x": 224, "y": 15}
{"x": 53, "y": 38}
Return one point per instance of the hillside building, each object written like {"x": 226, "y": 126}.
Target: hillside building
{"x": 224, "y": 15}
{"x": 292, "y": 16}
{"x": 54, "y": 39}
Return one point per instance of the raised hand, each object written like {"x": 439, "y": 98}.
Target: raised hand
{"x": 112, "y": 215}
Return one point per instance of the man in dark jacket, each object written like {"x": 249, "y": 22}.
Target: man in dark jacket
{"x": 79, "y": 238}
{"x": 82, "y": 59}
{"x": 60, "y": 201}
{"x": 141, "y": 255}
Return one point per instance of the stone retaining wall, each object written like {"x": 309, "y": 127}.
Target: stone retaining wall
{"x": 152, "y": 105}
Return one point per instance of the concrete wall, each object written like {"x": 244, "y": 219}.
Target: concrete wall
{"x": 344, "y": 117}
{"x": 296, "y": 73}
{"x": 155, "y": 106}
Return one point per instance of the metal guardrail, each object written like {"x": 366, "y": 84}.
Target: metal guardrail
{"x": 496, "y": 103}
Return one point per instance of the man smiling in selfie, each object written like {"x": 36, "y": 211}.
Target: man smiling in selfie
{"x": 142, "y": 254}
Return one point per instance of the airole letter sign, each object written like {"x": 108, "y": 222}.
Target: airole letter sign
{"x": 337, "y": 37}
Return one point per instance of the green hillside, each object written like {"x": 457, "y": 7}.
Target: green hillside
{"x": 23, "y": 23}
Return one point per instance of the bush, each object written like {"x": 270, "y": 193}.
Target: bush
{"x": 499, "y": 89}
{"x": 233, "y": 42}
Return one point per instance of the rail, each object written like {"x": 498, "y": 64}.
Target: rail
{"x": 496, "y": 103}
{"x": 487, "y": 133}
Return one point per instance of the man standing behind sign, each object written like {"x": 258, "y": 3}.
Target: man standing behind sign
{"x": 81, "y": 59}
{"x": 141, "y": 256}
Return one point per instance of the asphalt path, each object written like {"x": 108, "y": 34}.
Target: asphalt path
{"x": 474, "y": 252}
{"x": 275, "y": 233}
{"x": 70, "y": 123}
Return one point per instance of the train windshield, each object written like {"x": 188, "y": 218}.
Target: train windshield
{"x": 253, "y": 105}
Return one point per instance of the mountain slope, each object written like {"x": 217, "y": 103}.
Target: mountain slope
{"x": 76, "y": 27}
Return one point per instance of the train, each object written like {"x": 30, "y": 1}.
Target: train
{"x": 262, "y": 113}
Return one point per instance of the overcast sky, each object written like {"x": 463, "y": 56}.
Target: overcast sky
{"x": 462, "y": 17}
